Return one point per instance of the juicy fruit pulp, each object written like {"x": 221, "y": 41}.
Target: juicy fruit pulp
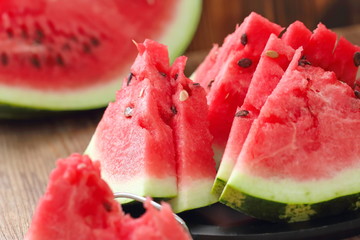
{"x": 312, "y": 163}
{"x": 54, "y": 56}
{"x": 227, "y": 71}
{"x": 154, "y": 139}
{"x": 78, "y": 204}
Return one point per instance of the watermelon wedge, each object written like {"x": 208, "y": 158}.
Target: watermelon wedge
{"x": 78, "y": 204}
{"x": 275, "y": 57}
{"x": 154, "y": 139}
{"x": 192, "y": 139}
{"x": 227, "y": 71}
{"x": 70, "y": 55}
{"x": 312, "y": 167}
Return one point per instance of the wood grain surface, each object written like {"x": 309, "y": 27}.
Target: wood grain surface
{"x": 29, "y": 148}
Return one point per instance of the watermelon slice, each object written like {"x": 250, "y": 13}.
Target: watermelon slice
{"x": 194, "y": 156}
{"x": 275, "y": 58}
{"x": 132, "y": 141}
{"x": 299, "y": 160}
{"x": 154, "y": 140}
{"x": 66, "y": 55}
{"x": 78, "y": 204}
{"x": 227, "y": 71}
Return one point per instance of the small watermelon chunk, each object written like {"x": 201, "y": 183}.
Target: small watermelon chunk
{"x": 78, "y": 204}
{"x": 299, "y": 159}
{"x": 194, "y": 156}
{"x": 273, "y": 62}
{"x": 296, "y": 35}
{"x": 227, "y": 72}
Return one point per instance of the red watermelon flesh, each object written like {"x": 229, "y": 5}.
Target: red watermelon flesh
{"x": 239, "y": 53}
{"x": 344, "y": 63}
{"x": 56, "y": 40}
{"x": 154, "y": 225}
{"x": 314, "y": 117}
{"x": 134, "y": 144}
{"x": 273, "y": 62}
{"x": 192, "y": 139}
{"x": 152, "y": 63}
{"x": 296, "y": 35}
{"x": 77, "y": 204}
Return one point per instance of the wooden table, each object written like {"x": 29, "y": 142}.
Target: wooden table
{"x": 28, "y": 150}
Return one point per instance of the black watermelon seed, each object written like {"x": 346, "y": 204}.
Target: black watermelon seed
{"x": 245, "y": 62}
{"x": 244, "y": 39}
{"x": 94, "y": 41}
{"x": 129, "y": 79}
{"x": 357, "y": 59}
{"x": 173, "y": 109}
{"x": 4, "y": 59}
{"x": 163, "y": 74}
{"x": 24, "y": 33}
{"x": 282, "y": 33}
{"x": 210, "y": 83}
{"x": 10, "y": 33}
{"x": 357, "y": 94}
{"x": 128, "y": 112}
{"x": 39, "y": 36}
{"x": 176, "y": 76}
{"x": 242, "y": 113}
{"x": 107, "y": 206}
{"x": 35, "y": 61}
{"x": 86, "y": 48}
{"x": 303, "y": 61}
{"x": 196, "y": 84}
{"x": 59, "y": 60}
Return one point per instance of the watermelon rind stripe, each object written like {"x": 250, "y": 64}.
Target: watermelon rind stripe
{"x": 177, "y": 37}
{"x": 273, "y": 196}
{"x": 292, "y": 212}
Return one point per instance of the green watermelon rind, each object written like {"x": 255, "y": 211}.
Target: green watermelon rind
{"x": 13, "y": 101}
{"x": 293, "y": 201}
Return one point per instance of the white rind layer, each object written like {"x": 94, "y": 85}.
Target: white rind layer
{"x": 195, "y": 195}
{"x": 177, "y": 36}
{"x": 345, "y": 182}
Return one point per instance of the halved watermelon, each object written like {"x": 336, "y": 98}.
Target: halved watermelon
{"x": 227, "y": 71}
{"x": 274, "y": 59}
{"x": 70, "y": 55}
{"x": 78, "y": 204}
{"x": 300, "y": 159}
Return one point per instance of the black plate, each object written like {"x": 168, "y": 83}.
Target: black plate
{"x": 221, "y": 222}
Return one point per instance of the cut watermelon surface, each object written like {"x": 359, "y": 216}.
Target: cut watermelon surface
{"x": 192, "y": 139}
{"x": 154, "y": 139}
{"x": 66, "y": 55}
{"x": 273, "y": 62}
{"x": 227, "y": 71}
{"x": 299, "y": 159}
{"x": 78, "y": 204}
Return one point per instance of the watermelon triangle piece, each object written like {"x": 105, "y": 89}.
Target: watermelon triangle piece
{"x": 132, "y": 140}
{"x": 194, "y": 156}
{"x": 78, "y": 204}
{"x": 273, "y": 62}
{"x": 226, "y": 74}
{"x": 296, "y": 35}
{"x": 313, "y": 164}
